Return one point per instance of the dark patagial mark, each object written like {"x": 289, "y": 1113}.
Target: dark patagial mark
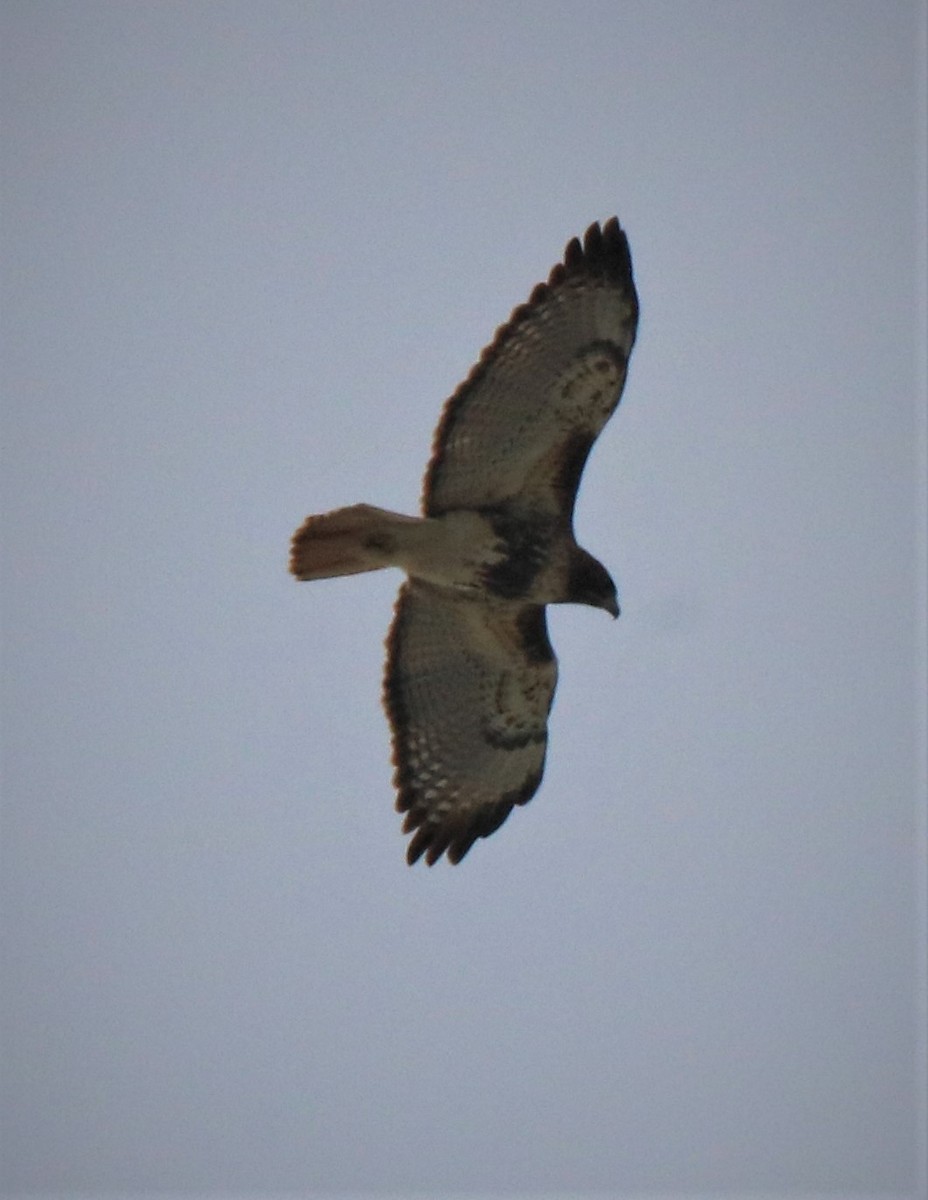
{"x": 526, "y": 540}
{"x": 574, "y": 455}
{"x": 533, "y": 634}
{"x": 514, "y": 739}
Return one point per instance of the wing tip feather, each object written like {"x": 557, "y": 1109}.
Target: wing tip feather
{"x": 606, "y": 251}
{"x": 454, "y": 837}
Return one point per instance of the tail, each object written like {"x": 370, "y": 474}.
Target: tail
{"x": 348, "y": 541}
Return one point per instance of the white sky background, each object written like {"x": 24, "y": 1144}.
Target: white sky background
{"x": 248, "y": 251}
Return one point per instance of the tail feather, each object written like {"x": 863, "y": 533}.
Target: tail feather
{"x": 347, "y": 541}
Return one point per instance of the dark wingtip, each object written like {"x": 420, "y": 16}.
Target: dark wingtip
{"x": 593, "y": 241}
{"x": 605, "y": 247}
{"x": 573, "y": 254}
{"x": 456, "y": 838}
{"x": 612, "y": 231}
{"x": 433, "y": 843}
{"x": 416, "y": 849}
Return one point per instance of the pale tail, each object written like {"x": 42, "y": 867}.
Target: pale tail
{"x": 347, "y": 541}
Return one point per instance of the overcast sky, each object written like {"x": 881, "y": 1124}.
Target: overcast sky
{"x": 248, "y": 250}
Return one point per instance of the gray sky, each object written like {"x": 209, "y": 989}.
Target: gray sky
{"x": 248, "y": 249}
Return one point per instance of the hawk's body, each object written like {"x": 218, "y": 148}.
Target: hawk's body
{"x": 470, "y": 670}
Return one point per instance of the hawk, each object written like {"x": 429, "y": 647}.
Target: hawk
{"x": 470, "y": 672}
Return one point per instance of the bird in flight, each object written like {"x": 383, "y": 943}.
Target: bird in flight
{"x": 470, "y": 672}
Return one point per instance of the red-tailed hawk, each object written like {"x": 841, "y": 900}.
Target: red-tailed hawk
{"x": 470, "y": 671}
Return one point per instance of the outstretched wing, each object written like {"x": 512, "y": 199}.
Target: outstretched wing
{"x": 468, "y": 689}
{"x": 521, "y": 425}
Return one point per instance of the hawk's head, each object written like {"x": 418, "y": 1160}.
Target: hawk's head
{"x": 588, "y": 582}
